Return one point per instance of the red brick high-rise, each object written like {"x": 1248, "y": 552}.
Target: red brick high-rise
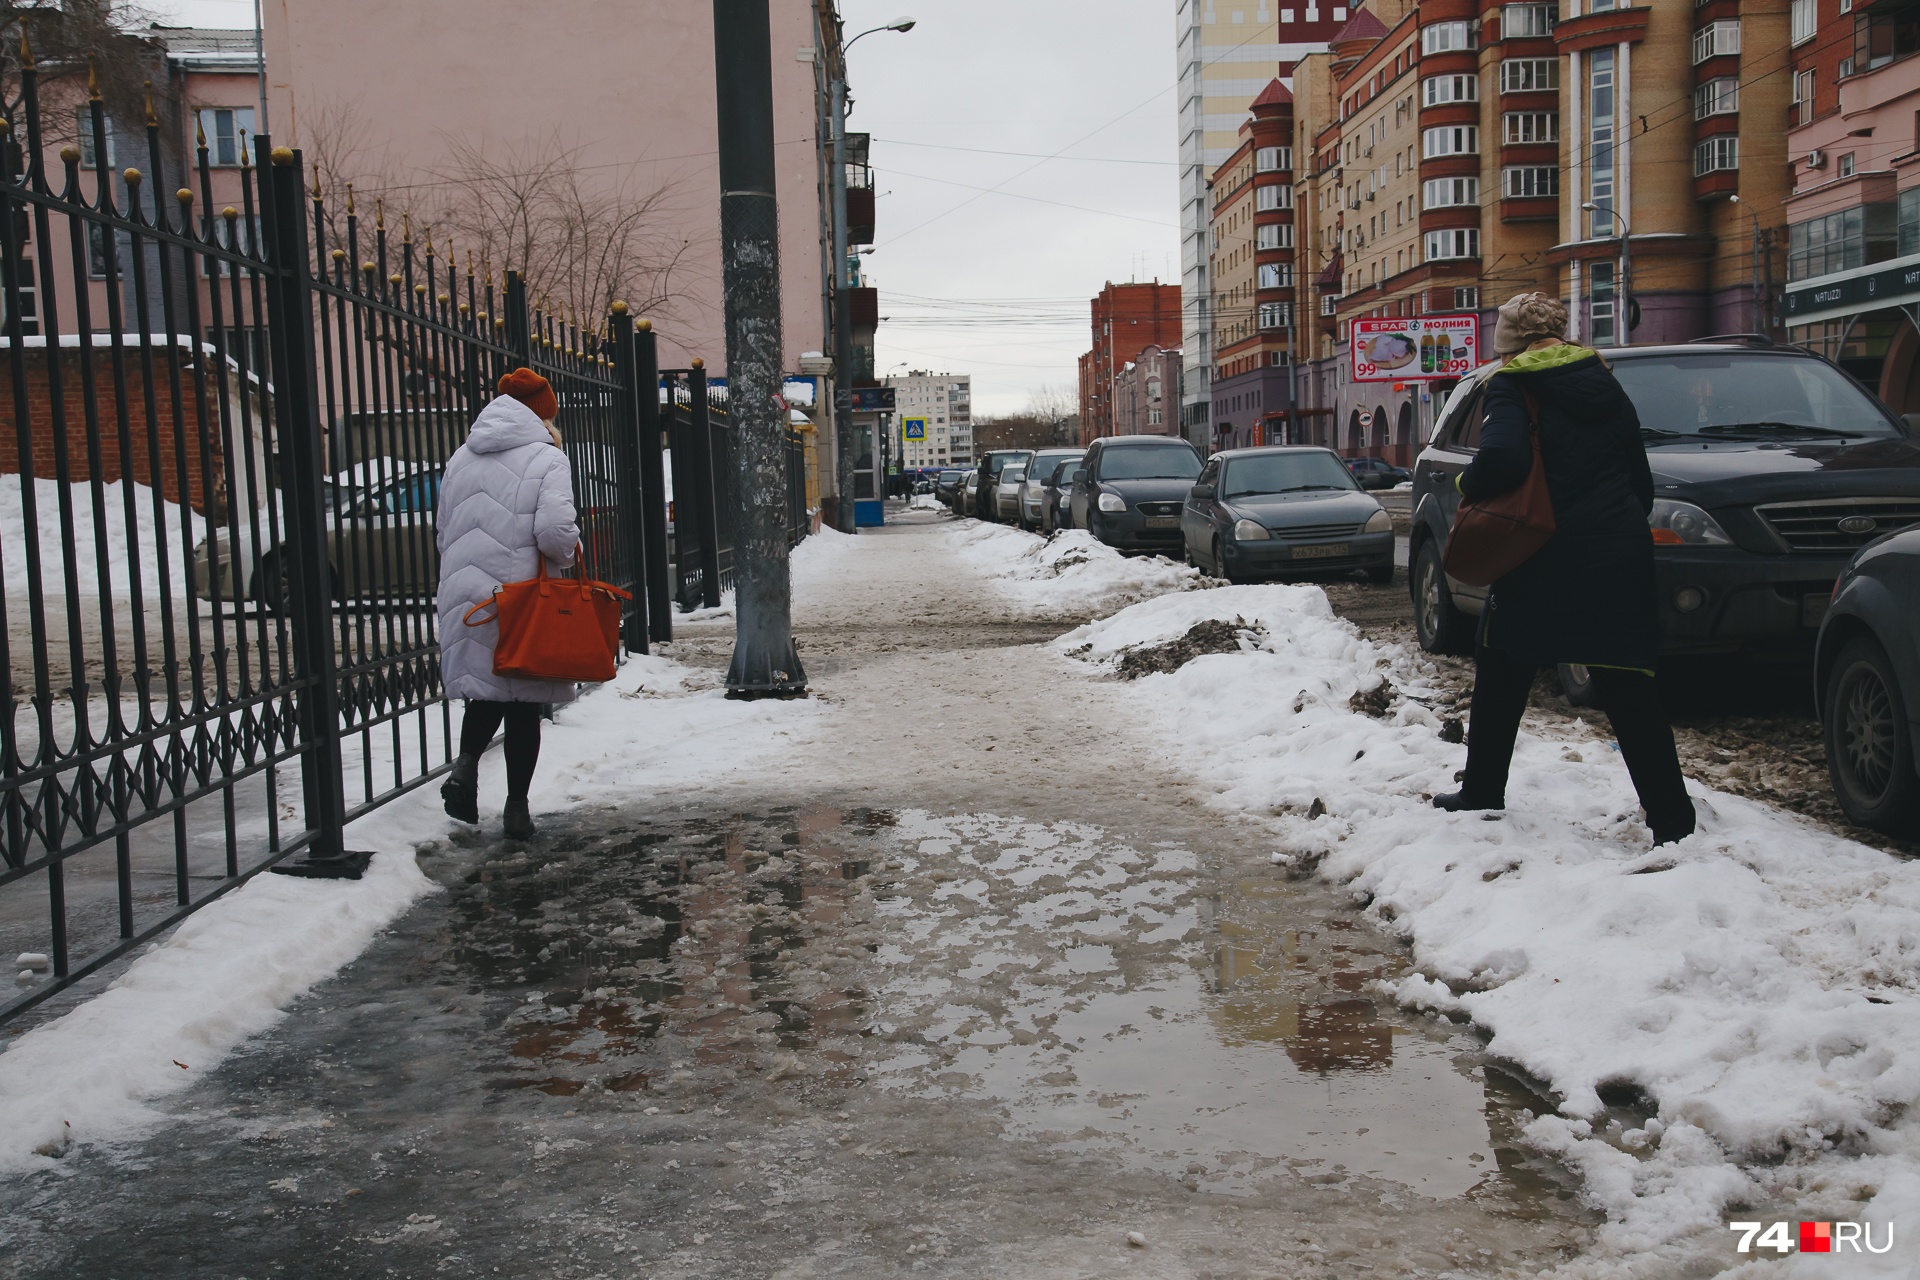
{"x": 1127, "y": 319}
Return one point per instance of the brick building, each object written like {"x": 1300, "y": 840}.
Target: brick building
{"x": 1127, "y": 318}
{"x": 1145, "y": 394}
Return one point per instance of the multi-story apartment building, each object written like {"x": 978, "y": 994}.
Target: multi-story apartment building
{"x": 1127, "y": 319}
{"x": 1853, "y": 234}
{"x": 1251, "y": 262}
{"x": 944, "y": 401}
{"x": 1146, "y": 394}
{"x": 1227, "y": 52}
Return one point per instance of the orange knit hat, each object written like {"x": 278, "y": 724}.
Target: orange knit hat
{"x": 533, "y": 391}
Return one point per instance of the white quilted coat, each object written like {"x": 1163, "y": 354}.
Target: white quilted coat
{"x": 506, "y": 498}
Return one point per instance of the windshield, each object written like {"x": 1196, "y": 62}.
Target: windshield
{"x": 1013, "y": 473}
{"x": 1063, "y": 474}
{"x": 1717, "y": 394}
{"x": 1149, "y": 462}
{"x": 1284, "y": 473}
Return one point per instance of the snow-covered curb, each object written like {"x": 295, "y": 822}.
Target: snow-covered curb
{"x": 1071, "y": 574}
{"x": 229, "y": 972}
{"x": 1757, "y": 982}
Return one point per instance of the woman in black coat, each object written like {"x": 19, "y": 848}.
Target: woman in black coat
{"x": 1588, "y": 595}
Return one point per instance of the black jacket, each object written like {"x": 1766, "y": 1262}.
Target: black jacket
{"x": 1588, "y": 596}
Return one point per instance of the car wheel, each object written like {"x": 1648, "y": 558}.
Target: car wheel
{"x": 1576, "y": 682}
{"x": 1439, "y": 624}
{"x": 1869, "y": 745}
{"x": 1220, "y": 569}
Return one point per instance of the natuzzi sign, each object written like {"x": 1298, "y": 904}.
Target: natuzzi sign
{"x": 1886, "y": 287}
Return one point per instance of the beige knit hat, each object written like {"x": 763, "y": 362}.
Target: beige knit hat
{"x": 1526, "y": 318}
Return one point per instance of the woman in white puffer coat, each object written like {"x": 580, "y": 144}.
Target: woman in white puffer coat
{"x": 506, "y": 499}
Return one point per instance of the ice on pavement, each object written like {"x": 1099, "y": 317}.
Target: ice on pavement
{"x": 1754, "y": 985}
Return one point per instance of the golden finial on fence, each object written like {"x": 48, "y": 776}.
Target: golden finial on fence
{"x": 69, "y": 155}
{"x": 199, "y": 131}
{"x": 379, "y": 213}
{"x": 442, "y": 299}
{"x": 184, "y": 195}
{"x": 230, "y": 213}
{"x": 246, "y": 161}
{"x": 698, "y": 363}
{"x": 350, "y": 210}
{"x": 339, "y": 255}
{"x": 132, "y": 176}
{"x": 428, "y": 232}
{"x": 318, "y": 197}
{"x": 406, "y": 226}
{"x": 281, "y": 156}
{"x": 153, "y": 121}
{"x": 644, "y": 326}
{"x": 396, "y": 280}
{"x": 26, "y": 49}
{"x": 93, "y": 81}
{"x": 368, "y": 266}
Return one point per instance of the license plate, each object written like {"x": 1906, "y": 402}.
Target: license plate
{"x": 1163, "y": 522}
{"x": 1813, "y": 609}
{"x": 1332, "y": 551}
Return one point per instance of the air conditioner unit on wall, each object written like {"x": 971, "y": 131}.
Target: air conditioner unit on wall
{"x": 1816, "y": 159}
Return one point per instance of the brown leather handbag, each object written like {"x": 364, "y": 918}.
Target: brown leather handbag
{"x": 1493, "y": 538}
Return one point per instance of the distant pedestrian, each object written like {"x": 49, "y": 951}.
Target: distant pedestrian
{"x": 1587, "y": 596}
{"x": 506, "y": 499}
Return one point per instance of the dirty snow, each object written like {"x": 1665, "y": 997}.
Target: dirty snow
{"x": 154, "y": 540}
{"x": 1756, "y": 984}
{"x": 1071, "y": 574}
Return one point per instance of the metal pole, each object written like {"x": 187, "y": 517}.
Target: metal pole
{"x": 700, "y": 495}
{"x": 844, "y": 435}
{"x": 653, "y": 482}
{"x": 1626, "y": 281}
{"x": 628, "y": 440}
{"x": 765, "y": 661}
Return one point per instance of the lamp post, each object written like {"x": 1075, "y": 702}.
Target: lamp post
{"x": 1626, "y": 269}
{"x": 842, "y": 321}
{"x": 1762, "y": 292}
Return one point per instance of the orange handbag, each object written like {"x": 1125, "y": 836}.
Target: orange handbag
{"x": 555, "y": 628}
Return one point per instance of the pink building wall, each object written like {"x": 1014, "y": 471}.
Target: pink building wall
{"x": 629, "y": 81}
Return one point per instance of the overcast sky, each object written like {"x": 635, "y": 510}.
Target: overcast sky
{"x": 985, "y": 261}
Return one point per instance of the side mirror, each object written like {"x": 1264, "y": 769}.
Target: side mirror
{"x": 1202, "y": 491}
{"x": 1079, "y": 474}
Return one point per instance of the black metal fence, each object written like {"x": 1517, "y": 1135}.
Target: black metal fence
{"x": 217, "y": 595}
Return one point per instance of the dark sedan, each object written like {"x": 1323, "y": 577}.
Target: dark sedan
{"x": 1056, "y": 495}
{"x": 1129, "y": 490}
{"x": 1377, "y": 473}
{"x": 1284, "y": 513}
{"x": 1771, "y": 467}
{"x": 1867, "y": 685}
{"x": 948, "y": 484}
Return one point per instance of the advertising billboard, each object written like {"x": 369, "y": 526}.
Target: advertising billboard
{"x": 1404, "y": 350}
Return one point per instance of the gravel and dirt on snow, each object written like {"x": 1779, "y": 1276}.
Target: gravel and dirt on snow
{"x": 1088, "y": 919}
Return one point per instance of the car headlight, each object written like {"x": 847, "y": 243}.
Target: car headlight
{"x": 1378, "y": 522}
{"x": 1250, "y": 531}
{"x": 1681, "y": 524}
{"x": 1112, "y": 502}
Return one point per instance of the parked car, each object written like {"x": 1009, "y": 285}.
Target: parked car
{"x": 1771, "y": 467}
{"x": 1866, "y": 684}
{"x": 1056, "y": 492}
{"x": 947, "y": 484}
{"x": 1377, "y": 473}
{"x": 1129, "y": 491}
{"x": 1033, "y": 488}
{"x": 989, "y": 471}
{"x": 963, "y": 496}
{"x": 1284, "y": 513}
{"x": 380, "y": 541}
{"x": 1006, "y": 490}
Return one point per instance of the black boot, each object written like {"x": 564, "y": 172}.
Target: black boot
{"x": 1460, "y": 802}
{"x": 460, "y": 793}
{"x": 518, "y": 822}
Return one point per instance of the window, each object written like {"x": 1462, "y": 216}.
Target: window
{"x": 1715, "y": 39}
{"x": 1328, "y": 301}
{"x": 1459, "y": 242}
{"x": 1450, "y": 140}
{"x": 1909, "y": 222}
{"x": 1713, "y": 154}
{"x": 1276, "y": 275}
{"x": 1276, "y": 315}
{"x": 1716, "y": 98}
{"x": 227, "y": 130}
{"x": 1805, "y": 19}
{"x": 1521, "y": 182}
{"x": 1600, "y": 280}
{"x": 87, "y": 158}
{"x": 1273, "y": 159}
{"x": 1446, "y": 37}
{"x": 1845, "y": 166}
{"x": 1518, "y": 21}
{"x": 1443, "y": 89}
{"x": 1530, "y": 126}
{"x": 97, "y": 252}
{"x": 1600, "y": 143}
{"x": 1529, "y": 75}
{"x": 1442, "y": 193}
{"x": 1466, "y": 297}
{"x": 1272, "y": 197}
{"x": 1274, "y": 235}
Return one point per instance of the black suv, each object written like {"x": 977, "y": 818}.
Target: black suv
{"x": 1129, "y": 490}
{"x": 1771, "y": 467}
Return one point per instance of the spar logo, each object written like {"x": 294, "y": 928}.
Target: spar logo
{"x": 1811, "y": 1237}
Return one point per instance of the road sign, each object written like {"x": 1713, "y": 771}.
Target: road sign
{"x": 913, "y": 428}
{"x": 1416, "y": 348}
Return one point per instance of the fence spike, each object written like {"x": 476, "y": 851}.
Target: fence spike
{"x": 246, "y": 161}
{"x": 199, "y": 131}
{"x": 318, "y": 198}
{"x": 379, "y": 213}
{"x": 132, "y": 177}
{"x": 26, "y": 50}
{"x": 93, "y": 80}
{"x": 406, "y": 226}
{"x": 350, "y": 210}
{"x": 184, "y": 195}
{"x": 153, "y": 121}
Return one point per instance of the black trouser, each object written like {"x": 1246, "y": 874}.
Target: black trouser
{"x": 477, "y": 728}
{"x": 1632, "y": 704}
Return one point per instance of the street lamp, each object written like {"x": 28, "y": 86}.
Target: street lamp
{"x": 1626, "y": 269}
{"x": 1762, "y": 295}
{"x": 843, "y": 327}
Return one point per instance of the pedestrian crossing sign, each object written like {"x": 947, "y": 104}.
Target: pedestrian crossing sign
{"x": 913, "y": 428}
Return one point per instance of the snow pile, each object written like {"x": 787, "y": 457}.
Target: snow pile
{"x": 1071, "y": 574}
{"x": 153, "y": 540}
{"x": 1757, "y": 984}
{"x": 230, "y": 970}
{"x": 926, "y": 502}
